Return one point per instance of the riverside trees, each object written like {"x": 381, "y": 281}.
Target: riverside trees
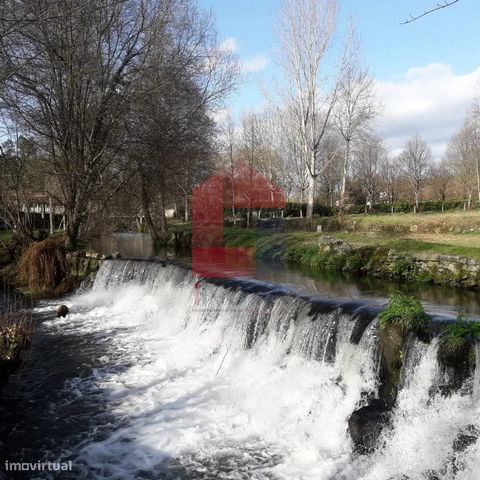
{"x": 88, "y": 80}
{"x": 320, "y": 104}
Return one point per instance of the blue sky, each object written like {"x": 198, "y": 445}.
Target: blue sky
{"x": 438, "y": 52}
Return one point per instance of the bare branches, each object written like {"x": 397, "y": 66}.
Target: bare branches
{"x": 305, "y": 34}
{"x": 440, "y": 6}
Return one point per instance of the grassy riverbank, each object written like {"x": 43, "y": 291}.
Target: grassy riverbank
{"x": 433, "y": 248}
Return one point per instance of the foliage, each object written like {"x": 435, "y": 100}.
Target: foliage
{"x": 404, "y": 267}
{"x": 42, "y": 266}
{"x": 457, "y": 333}
{"x": 405, "y": 311}
{"x": 16, "y": 329}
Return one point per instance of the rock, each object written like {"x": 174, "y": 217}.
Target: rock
{"x": 366, "y": 424}
{"x": 456, "y": 364}
{"x": 116, "y": 255}
{"x": 468, "y": 436}
{"x": 62, "y": 311}
{"x": 334, "y": 245}
{"x": 392, "y": 340}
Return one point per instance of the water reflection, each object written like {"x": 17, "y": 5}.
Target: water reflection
{"x": 133, "y": 245}
{"x": 436, "y": 298}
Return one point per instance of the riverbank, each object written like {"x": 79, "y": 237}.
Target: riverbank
{"x": 378, "y": 247}
{"x": 29, "y": 273}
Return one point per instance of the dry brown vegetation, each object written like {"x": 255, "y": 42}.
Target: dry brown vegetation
{"x": 42, "y": 266}
{"x": 16, "y": 330}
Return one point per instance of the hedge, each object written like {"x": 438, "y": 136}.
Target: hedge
{"x": 406, "y": 207}
{"x": 292, "y": 209}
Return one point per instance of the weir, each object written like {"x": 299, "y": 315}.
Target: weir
{"x": 296, "y": 368}
{"x": 158, "y": 374}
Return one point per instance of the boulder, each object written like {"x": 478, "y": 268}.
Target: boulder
{"x": 366, "y": 424}
{"x": 62, "y": 311}
{"x": 334, "y": 245}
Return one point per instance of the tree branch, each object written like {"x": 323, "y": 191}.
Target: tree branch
{"x": 445, "y": 4}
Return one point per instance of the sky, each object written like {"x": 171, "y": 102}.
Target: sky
{"x": 426, "y": 72}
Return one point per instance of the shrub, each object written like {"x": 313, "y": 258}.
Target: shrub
{"x": 404, "y": 311}
{"x": 404, "y": 267}
{"x": 407, "y": 207}
{"x": 456, "y": 334}
{"x": 16, "y": 329}
{"x": 42, "y": 266}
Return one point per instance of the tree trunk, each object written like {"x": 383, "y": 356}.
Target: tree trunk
{"x": 311, "y": 196}
{"x": 478, "y": 177}
{"x": 146, "y": 213}
{"x": 343, "y": 188}
{"x": 72, "y": 228}
{"x": 161, "y": 213}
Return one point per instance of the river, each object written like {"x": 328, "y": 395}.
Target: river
{"x": 154, "y": 375}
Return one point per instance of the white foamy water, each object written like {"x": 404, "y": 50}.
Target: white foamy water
{"x": 213, "y": 383}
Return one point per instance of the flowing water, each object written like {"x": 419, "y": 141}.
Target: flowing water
{"x": 156, "y": 376}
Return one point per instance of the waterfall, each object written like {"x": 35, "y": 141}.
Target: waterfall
{"x": 240, "y": 379}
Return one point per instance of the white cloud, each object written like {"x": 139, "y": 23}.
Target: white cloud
{"x": 431, "y": 101}
{"x": 255, "y": 64}
{"x": 250, "y": 65}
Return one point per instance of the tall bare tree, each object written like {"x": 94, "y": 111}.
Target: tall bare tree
{"x": 441, "y": 180}
{"x": 416, "y": 161}
{"x": 472, "y": 128}
{"x": 461, "y": 157}
{"x": 369, "y": 158}
{"x": 305, "y": 33}
{"x": 356, "y": 106}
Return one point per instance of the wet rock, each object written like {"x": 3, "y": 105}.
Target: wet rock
{"x": 366, "y": 424}
{"x": 457, "y": 363}
{"x": 431, "y": 475}
{"x": 392, "y": 340}
{"x": 62, "y": 311}
{"x": 466, "y": 437}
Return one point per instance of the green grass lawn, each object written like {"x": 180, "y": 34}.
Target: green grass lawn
{"x": 403, "y": 243}
{"x": 465, "y": 245}
{"x": 471, "y": 218}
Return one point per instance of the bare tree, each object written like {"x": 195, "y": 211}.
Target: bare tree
{"x": 305, "y": 33}
{"x": 461, "y": 157}
{"x": 369, "y": 158}
{"x": 355, "y": 107}
{"x": 229, "y": 146}
{"x": 416, "y": 161}
{"x": 19, "y": 166}
{"x": 391, "y": 175}
{"x": 441, "y": 180}
{"x": 472, "y": 128}
{"x": 68, "y": 85}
